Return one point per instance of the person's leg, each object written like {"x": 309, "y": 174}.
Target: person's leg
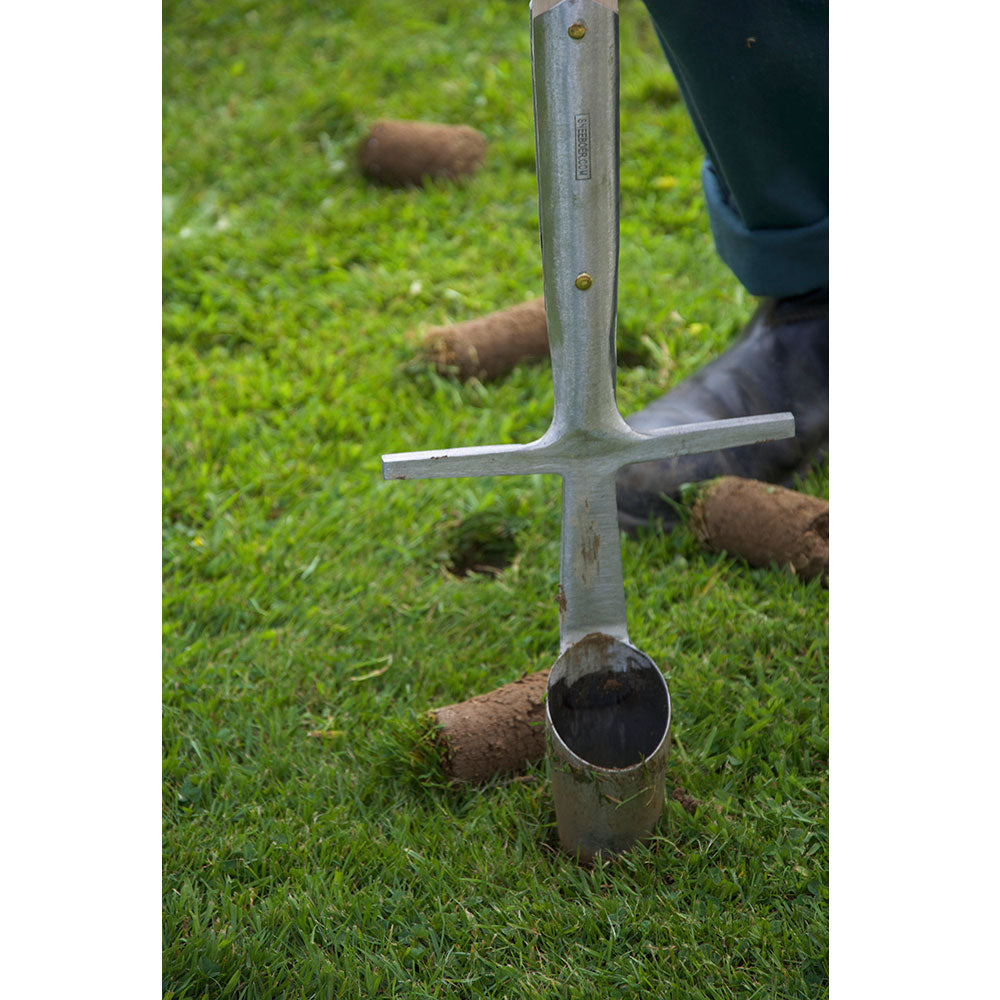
{"x": 754, "y": 78}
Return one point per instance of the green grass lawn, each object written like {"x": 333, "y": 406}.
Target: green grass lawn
{"x": 309, "y": 615}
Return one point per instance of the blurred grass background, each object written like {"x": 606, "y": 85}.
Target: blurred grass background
{"x": 309, "y": 614}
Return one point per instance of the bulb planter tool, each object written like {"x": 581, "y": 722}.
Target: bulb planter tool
{"x": 608, "y": 708}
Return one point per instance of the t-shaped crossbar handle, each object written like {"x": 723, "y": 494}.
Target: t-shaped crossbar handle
{"x": 575, "y": 75}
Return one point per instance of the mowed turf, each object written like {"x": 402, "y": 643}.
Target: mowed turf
{"x": 310, "y": 847}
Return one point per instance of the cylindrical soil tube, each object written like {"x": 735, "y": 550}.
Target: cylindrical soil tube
{"x": 607, "y": 728}
{"x": 492, "y": 345}
{"x": 400, "y": 153}
{"x": 494, "y": 733}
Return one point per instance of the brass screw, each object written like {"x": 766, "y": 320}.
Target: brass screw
{"x": 584, "y": 281}
{"x": 577, "y": 30}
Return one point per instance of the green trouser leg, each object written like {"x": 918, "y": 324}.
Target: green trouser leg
{"x": 754, "y": 77}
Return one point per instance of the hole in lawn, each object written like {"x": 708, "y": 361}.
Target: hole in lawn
{"x": 482, "y": 543}
{"x": 633, "y": 346}
{"x": 633, "y": 359}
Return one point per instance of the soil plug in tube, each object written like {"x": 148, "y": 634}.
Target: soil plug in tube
{"x": 607, "y": 727}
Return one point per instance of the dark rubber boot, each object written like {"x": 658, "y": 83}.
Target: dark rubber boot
{"x": 780, "y": 363}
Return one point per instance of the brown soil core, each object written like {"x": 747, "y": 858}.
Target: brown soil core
{"x": 404, "y": 152}
{"x": 490, "y": 346}
{"x": 765, "y": 524}
{"x": 494, "y": 733}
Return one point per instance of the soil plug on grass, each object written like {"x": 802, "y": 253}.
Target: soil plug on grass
{"x": 401, "y": 153}
{"x": 492, "y": 345}
{"x": 494, "y": 733}
{"x": 764, "y": 524}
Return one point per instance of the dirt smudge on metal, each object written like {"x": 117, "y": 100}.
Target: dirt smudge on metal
{"x": 590, "y": 548}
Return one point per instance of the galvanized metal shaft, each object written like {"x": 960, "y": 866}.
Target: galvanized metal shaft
{"x": 575, "y": 75}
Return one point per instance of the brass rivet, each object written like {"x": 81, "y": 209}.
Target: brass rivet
{"x": 584, "y": 281}
{"x": 577, "y": 30}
